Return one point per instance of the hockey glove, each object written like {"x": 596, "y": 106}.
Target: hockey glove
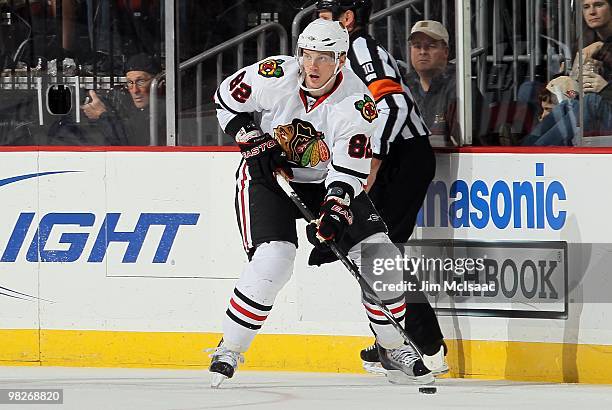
{"x": 264, "y": 155}
{"x": 334, "y": 217}
{"x": 320, "y": 256}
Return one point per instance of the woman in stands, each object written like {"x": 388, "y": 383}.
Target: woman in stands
{"x": 559, "y": 128}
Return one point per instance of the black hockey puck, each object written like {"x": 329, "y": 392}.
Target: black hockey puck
{"x": 428, "y": 390}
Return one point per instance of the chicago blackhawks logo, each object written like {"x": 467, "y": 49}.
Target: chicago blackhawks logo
{"x": 367, "y": 108}
{"x": 271, "y": 68}
{"x": 302, "y": 142}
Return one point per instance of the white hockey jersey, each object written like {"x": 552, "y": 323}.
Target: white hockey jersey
{"x": 327, "y": 138}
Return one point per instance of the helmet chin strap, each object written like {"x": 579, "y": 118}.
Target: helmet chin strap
{"x": 302, "y": 78}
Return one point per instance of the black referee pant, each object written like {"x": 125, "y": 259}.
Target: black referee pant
{"x": 398, "y": 194}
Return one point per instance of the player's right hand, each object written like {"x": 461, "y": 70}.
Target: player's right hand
{"x": 264, "y": 156}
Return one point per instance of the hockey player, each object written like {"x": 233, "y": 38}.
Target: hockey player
{"x": 316, "y": 123}
{"x": 403, "y": 163}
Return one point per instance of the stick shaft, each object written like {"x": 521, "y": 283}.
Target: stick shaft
{"x": 349, "y": 264}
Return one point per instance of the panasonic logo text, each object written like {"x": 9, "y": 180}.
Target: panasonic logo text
{"x": 534, "y": 204}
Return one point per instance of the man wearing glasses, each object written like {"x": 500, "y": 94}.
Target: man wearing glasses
{"x": 125, "y": 121}
{"x": 433, "y": 82}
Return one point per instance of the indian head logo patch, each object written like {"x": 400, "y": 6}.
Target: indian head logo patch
{"x": 367, "y": 108}
{"x": 303, "y": 143}
{"x": 271, "y": 68}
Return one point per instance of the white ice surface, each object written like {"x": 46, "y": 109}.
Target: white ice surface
{"x": 111, "y": 389}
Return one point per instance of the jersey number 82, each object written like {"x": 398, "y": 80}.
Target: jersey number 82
{"x": 359, "y": 146}
{"x": 240, "y": 91}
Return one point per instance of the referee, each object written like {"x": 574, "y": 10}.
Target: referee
{"x": 403, "y": 163}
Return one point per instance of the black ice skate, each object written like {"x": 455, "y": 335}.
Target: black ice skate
{"x": 371, "y": 360}
{"x": 223, "y": 365}
{"x": 403, "y": 365}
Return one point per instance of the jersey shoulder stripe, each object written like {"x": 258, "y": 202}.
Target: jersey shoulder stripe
{"x": 349, "y": 171}
{"x": 224, "y": 104}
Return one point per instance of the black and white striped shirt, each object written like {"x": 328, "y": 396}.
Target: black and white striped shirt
{"x": 399, "y": 116}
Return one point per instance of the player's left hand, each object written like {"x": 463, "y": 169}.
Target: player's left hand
{"x": 335, "y": 214}
{"x": 593, "y": 83}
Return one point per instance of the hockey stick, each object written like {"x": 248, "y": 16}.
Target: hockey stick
{"x": 354, "y": 270}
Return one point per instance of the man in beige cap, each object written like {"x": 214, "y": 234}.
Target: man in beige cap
{"x": 428, "y": 50}
{"x": 433, "y": 83}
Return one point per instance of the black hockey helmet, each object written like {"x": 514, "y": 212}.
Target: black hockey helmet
{"x": 361, "y": 8}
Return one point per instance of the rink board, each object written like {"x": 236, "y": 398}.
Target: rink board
{"x": 127, "y": 258}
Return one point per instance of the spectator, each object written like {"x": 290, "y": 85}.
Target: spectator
{"x": 530, "y": 92}
{"x": 128, "y": 123}
{"x": 560, "y": 127}
{"x": 597, "y": 27}
{"x": 597, "y": 16}
{"x": 547, "y": 103}
{"x": 433, "y": 83}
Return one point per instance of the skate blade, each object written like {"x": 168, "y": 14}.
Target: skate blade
{"x": 442, "y": 370}
{"x": 216, "y": 379}
{"x": 399, "y": 377}
{"x": 374, "y": 368}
